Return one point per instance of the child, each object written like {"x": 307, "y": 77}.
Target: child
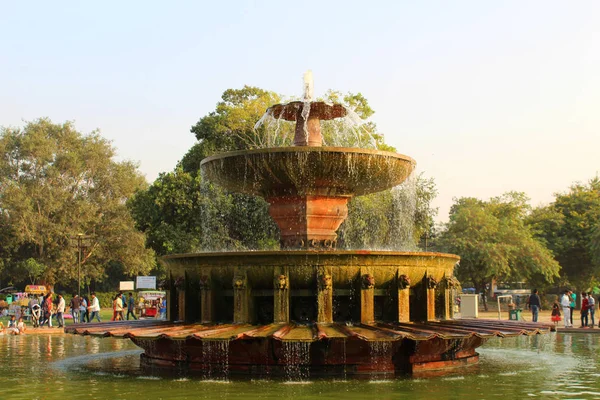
{"x": 556, "y": 313}
{"x": 12, "y": 326}
{"x": 21, "y": 326}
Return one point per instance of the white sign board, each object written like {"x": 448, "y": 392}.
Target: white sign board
{"x": 146, "y": 282}
{"x": 126, "y": 285}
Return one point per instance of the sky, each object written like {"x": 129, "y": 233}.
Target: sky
{"x": 486, "y": 96}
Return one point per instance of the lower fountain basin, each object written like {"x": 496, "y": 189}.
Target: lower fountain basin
{"x": 289, "y": 349}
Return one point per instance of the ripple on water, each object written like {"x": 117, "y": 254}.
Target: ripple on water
{"x": 149, "y": 378}
{"x": 453, "y": 378}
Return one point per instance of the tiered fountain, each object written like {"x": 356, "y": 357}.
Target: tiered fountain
{"x": 310, "y": 308}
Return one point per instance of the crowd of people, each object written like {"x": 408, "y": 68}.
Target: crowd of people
{"x": 45, "y": 308}
{"x": 568, "y": 302}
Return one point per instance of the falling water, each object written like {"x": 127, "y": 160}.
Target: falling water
{"x": 296, "y": 356}
{"x": 215, "y": 359}
{"x": 379, "y": 350}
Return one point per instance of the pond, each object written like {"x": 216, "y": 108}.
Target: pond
{"x": 553, "y": 366}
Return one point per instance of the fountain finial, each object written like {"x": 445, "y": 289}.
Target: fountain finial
{"x": 308, "y": 86}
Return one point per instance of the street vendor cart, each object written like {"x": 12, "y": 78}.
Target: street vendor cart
{"x": 149, "y": 303}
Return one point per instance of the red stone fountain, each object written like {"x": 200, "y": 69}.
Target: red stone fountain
{"x": 310, "y": 307}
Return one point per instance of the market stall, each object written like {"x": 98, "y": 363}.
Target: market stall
{"x": 149, "y": 303}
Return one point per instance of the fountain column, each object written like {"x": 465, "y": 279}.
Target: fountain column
{"x": 324, "y": 295}
{"x": 431, "y": 284}
{"x": 242, "y": 307}
{"x": 367, "y": 296}
{"x": 206, "y": 299}
{"x": 403, "y": 282}
{"x": 281, "y": 294}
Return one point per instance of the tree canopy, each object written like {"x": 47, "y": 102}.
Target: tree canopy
{"x": 494, "y": 241}
{"x": 570, "y": 227}
{"x": 56, "y": 183}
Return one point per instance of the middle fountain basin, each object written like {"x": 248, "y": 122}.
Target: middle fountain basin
{"x": 302, "y": 266}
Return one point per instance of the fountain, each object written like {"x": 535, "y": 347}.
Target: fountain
{"x": 309, "y": 308}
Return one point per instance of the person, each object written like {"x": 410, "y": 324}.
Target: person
{"x": 591, "y": 308}
{"x": 163, "y": 308}
{"x": 75, "y": 305}
{"x": 47, "y": 310}
{"x": 584, "y": 310}
{"x": 21, "y": 326}
{"x": 572, "y": 303}
{"x": 117, "y": 308}
{"x": 535, "y": 305}
{"x": 83, "y": 310}
{"x": 565, "y": 302}
{"x": 131, "y": 307}
{"x": 12, "y": 326}
{"x": 124, "y": 302}
{"x": 94, "y": 308}
{"x": 60, "y": 311}
{"x": 555, "y": 316}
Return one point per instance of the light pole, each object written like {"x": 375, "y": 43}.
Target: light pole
{"x": 80, "y": 246}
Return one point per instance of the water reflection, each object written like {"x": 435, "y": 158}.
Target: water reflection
{"x": 550, "y": 366}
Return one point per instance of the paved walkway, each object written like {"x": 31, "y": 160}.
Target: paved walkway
{"x": 544, "y": 316}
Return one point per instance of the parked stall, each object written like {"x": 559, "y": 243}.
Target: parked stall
{"x": 149, "y": 303}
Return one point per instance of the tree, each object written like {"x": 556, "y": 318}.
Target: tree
{"x": 570, "y": 228}
{"x": 56, "y": 183}
{"x": 494, "y": 242}
{"x": 33, "y": 269}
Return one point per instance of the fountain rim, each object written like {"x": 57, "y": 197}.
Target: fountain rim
{"x": 315, "y": 253}
{"x": 308, "y": 149}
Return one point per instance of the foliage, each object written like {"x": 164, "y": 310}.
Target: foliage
{"x": 33, "y": 269}
{"x": 56, "y": 183}
{"x": 395, "y": 219}
{"x": 494, "y": 242}
{"x": 570, "y": 228}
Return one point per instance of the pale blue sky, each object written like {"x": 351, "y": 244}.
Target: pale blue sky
{"x": 487, "y": 96}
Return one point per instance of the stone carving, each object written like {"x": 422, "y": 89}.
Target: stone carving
{"x": 403, "y": 282}
{"x": 205, "y": 283}
{"x": 281, "y": 282}
{"x": 431, "y": 282}
{"x": 240, "y": 281}
{"x": 325, "y": 282}
{"x": 179, "y": 281}
{"x": 452, "y": 282}
{"x": 368, "y": 281}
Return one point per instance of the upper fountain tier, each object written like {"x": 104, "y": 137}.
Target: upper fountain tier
{"x": 308, "y": 186}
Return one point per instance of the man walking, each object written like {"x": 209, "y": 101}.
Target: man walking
{"x": 131, "y": 307}
{"x": 591, "y": 308}
{"x": 74, "y": 305}
{"x": 565, "y": 302}
{"x": 535, "y": 305}
{"x": 94, "y": 308}
{"x": 60, "y": 311}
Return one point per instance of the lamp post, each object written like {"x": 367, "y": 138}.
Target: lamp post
{"x": 80, "y": 246}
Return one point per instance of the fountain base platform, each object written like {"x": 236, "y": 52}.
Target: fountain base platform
{"x": 289, "y": 349}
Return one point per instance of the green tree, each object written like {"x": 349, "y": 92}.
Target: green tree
{"x": 56, "y": 183}
{"x": 569, "y": 227}
{"x": 494, "y": 242}
{"x": 33, "y": 269}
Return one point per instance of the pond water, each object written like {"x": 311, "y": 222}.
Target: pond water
{"x": 554, "y": 366}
